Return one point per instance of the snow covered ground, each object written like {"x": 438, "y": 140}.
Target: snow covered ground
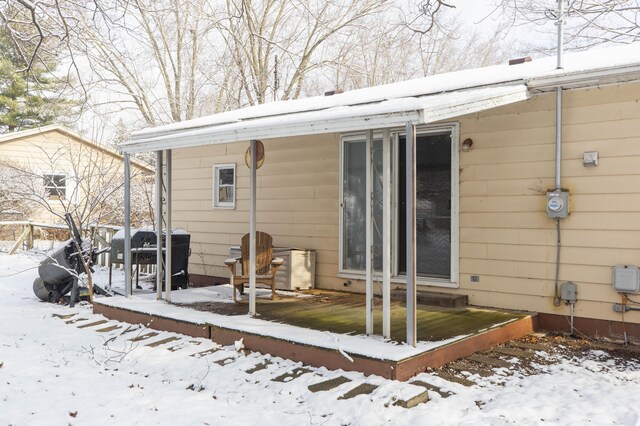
{"x": 53, "y": 372}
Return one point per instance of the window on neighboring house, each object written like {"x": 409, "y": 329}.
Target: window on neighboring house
{"x": 224, "y": 186}
{"x": 55, "y": 186}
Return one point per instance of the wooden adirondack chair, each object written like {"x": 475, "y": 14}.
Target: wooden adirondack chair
{"x": 266, "y": 264}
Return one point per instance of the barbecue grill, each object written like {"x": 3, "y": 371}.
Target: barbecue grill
{"x": 144, "y": 252}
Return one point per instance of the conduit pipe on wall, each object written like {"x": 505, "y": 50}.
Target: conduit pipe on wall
{"x": 556, "y": 297}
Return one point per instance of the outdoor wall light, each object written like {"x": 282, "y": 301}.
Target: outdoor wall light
{"x": 466, "y": 144}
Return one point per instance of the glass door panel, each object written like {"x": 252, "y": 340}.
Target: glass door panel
{"x": 433, "y": 205}
{"x": 354, "y": 207}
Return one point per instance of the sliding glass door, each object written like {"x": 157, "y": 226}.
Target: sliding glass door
{"x": 434, "y": 207}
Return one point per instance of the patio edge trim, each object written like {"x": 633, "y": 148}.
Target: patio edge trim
{"x": 331, "y": 358}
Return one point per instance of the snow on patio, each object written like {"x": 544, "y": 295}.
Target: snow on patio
{"x": 53, "y": 372}
{"x": 326, "y": 321}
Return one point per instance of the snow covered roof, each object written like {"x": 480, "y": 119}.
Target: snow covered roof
{"x": 418, "y": 101}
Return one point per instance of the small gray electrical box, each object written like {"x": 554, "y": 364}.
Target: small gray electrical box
{"x": 626, "y": 279}
{"x": 590, "y": 159}
{"x": 569, "y": 292}
{"x": 558, "y": 203}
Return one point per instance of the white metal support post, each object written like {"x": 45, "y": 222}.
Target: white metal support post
{"x": 369, "y": 233}
{"x": 252, "y": 229}
{"x": 386, "y": 234}
{"x": 159, "y": 217}
{"x": 410, "y": 161}
{"x": 167, "y": 268}
{"x": 127, "y": 225}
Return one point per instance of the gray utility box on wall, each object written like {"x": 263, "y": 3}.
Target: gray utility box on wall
{"x": 626, "y": 279}
{"x": 298, "y": 272}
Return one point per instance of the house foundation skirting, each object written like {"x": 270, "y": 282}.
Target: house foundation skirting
{"x": 590, "y": 327}
{"x": 152, "y": 321}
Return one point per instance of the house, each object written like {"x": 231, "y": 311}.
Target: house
{"x": 523, "y": 177}
{"x": 51, "y": 169}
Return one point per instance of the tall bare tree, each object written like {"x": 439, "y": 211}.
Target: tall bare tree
{"x": 147, "y": 53}
{"x": 397, "y": 47}
{"x": 587, "y": 22}
{"x": 275, "y": 45}
{"x": 172, "y": 60}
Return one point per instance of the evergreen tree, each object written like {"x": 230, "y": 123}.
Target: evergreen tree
{"x": 30, "y": 98}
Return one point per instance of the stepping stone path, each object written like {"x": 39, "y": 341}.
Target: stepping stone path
{"x": 514, "y": 352}
{"x": 362, "y": 389}
{"x": 293, "y": 374}
{"x": 177, "y": 347}
{"x": 432, "y": 388}
{"x": 204, "y": 353}
{"x": 493, "y": 362}
{"x": 258, "y": 367}
{"x": 144, "y": 337}
{"x": 224, "y": 361}
{"x": 93, "y": 324}
{"x": 108, "y": 329}
{"x": 73, "y": 321}
{"x": 407, "y": 395}
{"x": 161, "y": 342}
{"x": 452, "y": 378}
{"x": 63, "y": 316}
{"x": 526, "y": 345}
{"x": 410, "y": 402}
{"x": 131, "y": 329}
{"x": 463, "y": 367}
{"x": 328, "y": 384}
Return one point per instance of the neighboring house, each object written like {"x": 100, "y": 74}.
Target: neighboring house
{"x": 485, "y": 159}
{"x": 62, "y": 171}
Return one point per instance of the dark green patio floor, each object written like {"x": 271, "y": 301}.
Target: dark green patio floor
{"x": 344, "y": 313}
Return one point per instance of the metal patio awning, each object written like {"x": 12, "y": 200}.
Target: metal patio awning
{"x": 385, "y": 113}
{"x": 315, "y": 116}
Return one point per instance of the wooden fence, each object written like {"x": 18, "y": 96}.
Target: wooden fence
{"x": 101, "y": 235}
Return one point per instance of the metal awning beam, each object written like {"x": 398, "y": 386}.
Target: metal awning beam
{"x": 385, "y": 114}
{"x": 252, "y": 130}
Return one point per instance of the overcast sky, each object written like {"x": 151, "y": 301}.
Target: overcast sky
{"x": 482, "y": 14}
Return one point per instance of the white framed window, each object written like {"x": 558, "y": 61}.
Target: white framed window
{"x": 436, "y": 203}
{"x": 55, "y": 185}
{"x": 224, "y": 186}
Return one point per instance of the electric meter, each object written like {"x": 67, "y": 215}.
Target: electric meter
{"x": 558, "y": 204}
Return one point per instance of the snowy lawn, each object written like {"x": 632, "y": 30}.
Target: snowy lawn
{"x": 54, "y": 373}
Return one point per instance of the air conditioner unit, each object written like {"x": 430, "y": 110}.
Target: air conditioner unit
{"x": 298, "y": 271}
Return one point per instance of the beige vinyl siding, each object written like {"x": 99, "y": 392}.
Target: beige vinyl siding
{"x": 36, "y": 153}
{"x": 297, "y": 201}
{"x": 49, "y": 152}
{"x": 506, "y": 237}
